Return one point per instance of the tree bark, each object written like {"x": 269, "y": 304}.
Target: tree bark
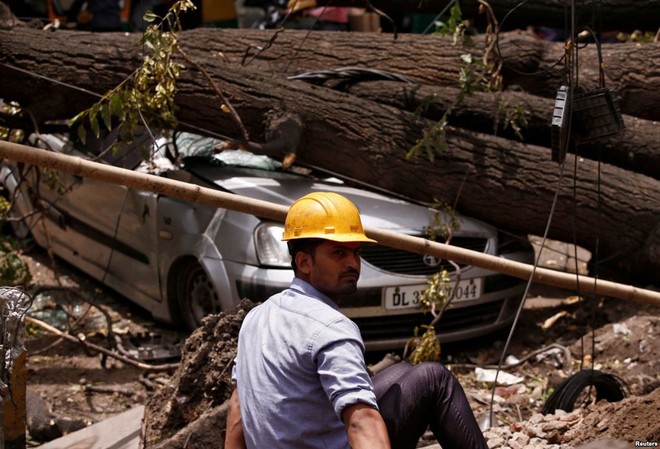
{"x": 506, "y": 183}
{"x": 635, "y": 149}
{"x": 631, "y": 70}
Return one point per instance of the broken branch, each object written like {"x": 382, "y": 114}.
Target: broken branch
{"x": 88, "y": 345}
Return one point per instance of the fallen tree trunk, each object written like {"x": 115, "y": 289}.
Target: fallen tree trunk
{"x": 631, "y": 70}
{"x": 101, "y": 61}
{"x": 635, "y": 149}
{"x": 502, "y": 182}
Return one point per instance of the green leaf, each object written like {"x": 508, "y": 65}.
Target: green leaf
{"x": 95, "y": 126}
{"x": 106, "y": 116}
{"x": 82, "y": 134}
{"x": 76, "y": 118}
{"x": 149, "y": 17}
{"x": 93, "y": 112}
{"x": 116, "y": 105}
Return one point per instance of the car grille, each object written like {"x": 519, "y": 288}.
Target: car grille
{"x": 403, "y": 326}
{"x": 406, "y": 262}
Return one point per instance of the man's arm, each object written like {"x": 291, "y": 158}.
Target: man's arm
{"x": 234, "y": 438}
{"x": 365, "y": 427}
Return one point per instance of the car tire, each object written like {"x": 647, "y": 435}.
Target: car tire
{"x": 196, "y": 297}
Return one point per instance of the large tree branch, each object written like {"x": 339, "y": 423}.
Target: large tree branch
{"x": 631, "y": 70}
{"x": 635, "y": 149}
{"x": 508, "y": 184}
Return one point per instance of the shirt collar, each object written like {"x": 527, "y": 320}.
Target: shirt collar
{"x": 304, "y": 287}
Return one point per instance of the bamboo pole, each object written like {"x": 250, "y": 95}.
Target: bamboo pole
{"x": 190, "y": 192}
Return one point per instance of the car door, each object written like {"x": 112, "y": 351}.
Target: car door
{"x": 133, "y": 267}
{"x": 106, "y": 230}
{"x": 78, "y": 214}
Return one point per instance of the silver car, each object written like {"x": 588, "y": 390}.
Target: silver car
{"x": 182, "y": 261}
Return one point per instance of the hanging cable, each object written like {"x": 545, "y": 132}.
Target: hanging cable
{"x": 50, "y": 80}
{"x": 499, "y": 52}
{"x": 525, "y": 293}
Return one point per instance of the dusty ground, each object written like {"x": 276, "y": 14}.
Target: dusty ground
{"x": 84, "y": 386}
{"x": 78, "y": 383}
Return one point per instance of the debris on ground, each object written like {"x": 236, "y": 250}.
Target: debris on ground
{"x": 628, "y": 420}
{"x": 188, "y": 405}
{"x": 191, "y": 408}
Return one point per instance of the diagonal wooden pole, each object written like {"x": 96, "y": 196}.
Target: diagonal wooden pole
{"x": 190, "y": 192}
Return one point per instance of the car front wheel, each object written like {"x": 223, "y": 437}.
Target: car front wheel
{"x": 195, "y": 295}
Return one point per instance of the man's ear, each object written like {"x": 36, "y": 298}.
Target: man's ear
{"x": 304, "y": 262}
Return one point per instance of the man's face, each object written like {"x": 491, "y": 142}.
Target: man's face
{"x": 333, "y": 268}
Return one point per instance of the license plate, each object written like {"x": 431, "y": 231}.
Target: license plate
{"x": 407, "y": 296}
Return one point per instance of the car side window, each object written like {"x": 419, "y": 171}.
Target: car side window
{"x": 109, "y": 149}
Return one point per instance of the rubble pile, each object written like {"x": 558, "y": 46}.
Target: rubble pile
{"x": 628, "y": 420}
{"x": 540, "y": 431}
{"x": 190, "y": 411}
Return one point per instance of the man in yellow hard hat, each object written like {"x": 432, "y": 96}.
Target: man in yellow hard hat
{"x": 301, "y": 378}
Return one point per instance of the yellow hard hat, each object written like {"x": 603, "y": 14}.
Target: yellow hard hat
{"x": 324, "y": 215}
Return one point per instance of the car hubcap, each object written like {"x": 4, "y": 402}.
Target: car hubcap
{"x": 203, "y": 300}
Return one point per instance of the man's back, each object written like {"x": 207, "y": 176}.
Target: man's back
{"x": 299, "y": 362}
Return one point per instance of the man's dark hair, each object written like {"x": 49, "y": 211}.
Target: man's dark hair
{"x": 307, "y": 246}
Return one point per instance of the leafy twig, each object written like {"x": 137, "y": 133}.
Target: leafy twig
{"x": 88, "y": 345}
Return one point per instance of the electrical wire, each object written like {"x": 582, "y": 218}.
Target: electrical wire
{"x": 609, "y": 387}
{"x": 525, "y": 293}
{"x": 499, "y": 52}
{"x": 435, "y": 19}
{"x": 568, "y": 359}
{"x": 295, "y": 54}
{"x": 97, "y": 95}
{"x": 50, "y": 80}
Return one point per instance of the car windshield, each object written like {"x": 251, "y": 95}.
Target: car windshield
{"x": 192, "y": 145}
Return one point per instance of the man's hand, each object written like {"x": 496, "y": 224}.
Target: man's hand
{"x": 234, "y": 438}
{"x": 365, "y": 427}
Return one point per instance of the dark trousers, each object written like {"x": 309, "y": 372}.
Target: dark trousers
{"x": 412, "y": 398}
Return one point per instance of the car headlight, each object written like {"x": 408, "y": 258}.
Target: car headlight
{"x": 271, "y": 250}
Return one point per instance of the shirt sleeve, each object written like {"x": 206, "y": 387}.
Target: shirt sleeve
{"x": 341, "y": 367}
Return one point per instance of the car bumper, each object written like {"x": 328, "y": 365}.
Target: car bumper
{"x": 384, "y": 329}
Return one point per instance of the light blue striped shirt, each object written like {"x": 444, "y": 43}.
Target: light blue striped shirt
{"x": 300, "y": 361}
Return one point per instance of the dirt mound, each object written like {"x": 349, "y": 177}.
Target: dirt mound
{"x": 632, "y": 419}
{"x": 627, "y": 421}
{"x": 630, "y": 349}
{"x": 191, "y": 410}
